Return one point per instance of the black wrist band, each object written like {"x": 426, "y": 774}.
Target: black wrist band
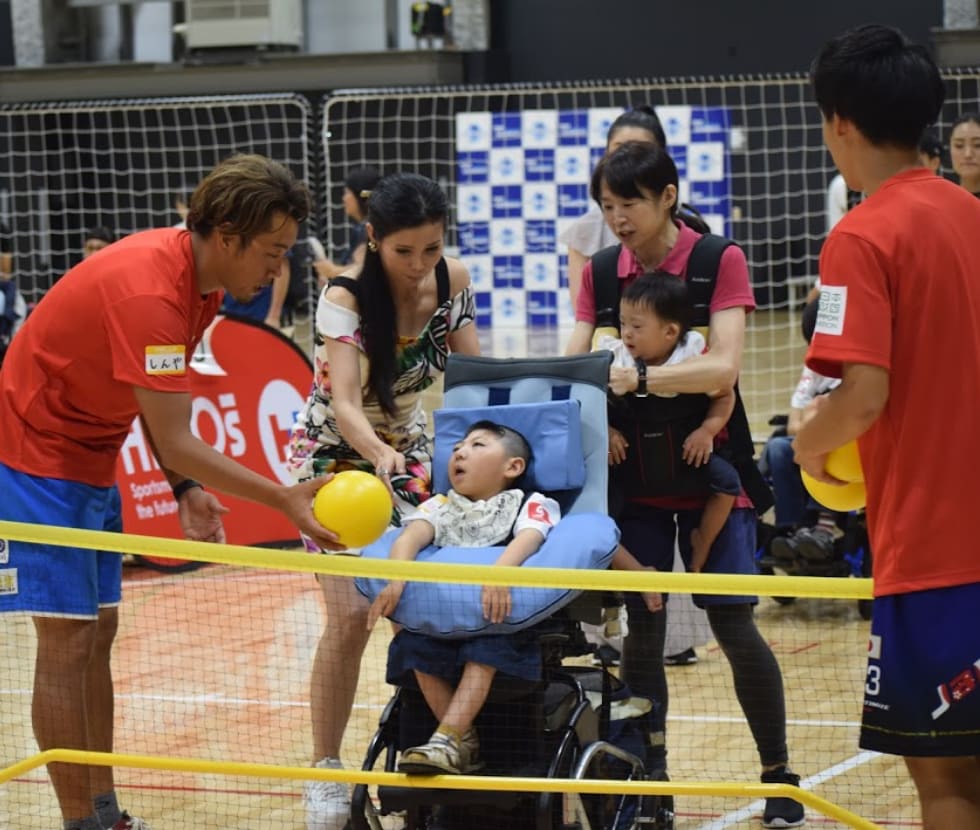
{"x": 641, "y": 379}
{"x": 184, "y": 486}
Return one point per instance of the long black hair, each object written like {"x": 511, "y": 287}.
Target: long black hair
{"x": 397, "y": 202}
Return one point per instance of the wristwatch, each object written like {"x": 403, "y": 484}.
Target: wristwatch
{"x": 641, "y": 379}
{"x": 184, "y": 486}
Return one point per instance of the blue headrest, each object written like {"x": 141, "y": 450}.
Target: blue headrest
{"x": 553, "y": 429}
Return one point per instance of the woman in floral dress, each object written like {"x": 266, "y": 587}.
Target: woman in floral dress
{"x": 382, "y": 337}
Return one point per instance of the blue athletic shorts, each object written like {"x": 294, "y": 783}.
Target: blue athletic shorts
{"x": 922, "y": 689}
{"x": 52, "y": 580}
{"x": 517, "y": 654}
{"x": 649, "y": 533}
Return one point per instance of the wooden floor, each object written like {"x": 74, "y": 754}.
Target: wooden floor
{"x": 214, "y": 664}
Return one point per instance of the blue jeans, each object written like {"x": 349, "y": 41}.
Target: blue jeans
{"x": 792, "y": 501}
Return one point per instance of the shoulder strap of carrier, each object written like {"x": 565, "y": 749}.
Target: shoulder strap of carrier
{"x": 605, "y": 286}
{"x": 702, "y": 275}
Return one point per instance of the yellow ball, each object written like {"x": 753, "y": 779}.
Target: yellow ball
{"x": 845, "y": 463}
{"x": 841, "y": 498}
{"x": 355, "y": 505}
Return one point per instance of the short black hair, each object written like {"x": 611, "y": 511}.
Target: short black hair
{"x": 100, "y": 232}
{"x": 874, "y": 77}
{"x": 515, "y": 443}
{"x": 663, "y": 294}
{"x": 634, "y": 165}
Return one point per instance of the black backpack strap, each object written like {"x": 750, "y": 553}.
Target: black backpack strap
{"x": 442, "y": 281}
{"x": 605, "y": 286}
{"x": 702, "y": 275}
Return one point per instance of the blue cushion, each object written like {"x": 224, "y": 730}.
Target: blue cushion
{"x": 552, "y": 428}
{"x": 582, "y": 540}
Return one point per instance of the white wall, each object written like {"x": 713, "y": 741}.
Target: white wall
{"x": 152, "y": 31}
{"x": 337, "y": 26}
{"x": 334, "y": 26}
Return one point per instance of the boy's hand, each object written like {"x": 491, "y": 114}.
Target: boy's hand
{"x": 385, "y": 603}
{"x": 653, "y": 600}
{"x": 622, "y": 381}
{"x": 496, "y": 602}
{"x": 617, "y": 446}
{"x": 698, "y": 447}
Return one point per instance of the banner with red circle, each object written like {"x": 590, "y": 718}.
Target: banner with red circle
{"x": 248, "y": 382}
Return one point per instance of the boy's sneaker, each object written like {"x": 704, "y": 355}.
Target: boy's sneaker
{"x": 128, "y": 822}
{"x": 783, "y": 550}
{"x": 442, "y": 754}
{"x": 327, "y": 802}
{"x": 688, "y": 657}
{"x": 814, "y": 544}
{"x": 469, "y": 747}
{"x": 781, "y": 811}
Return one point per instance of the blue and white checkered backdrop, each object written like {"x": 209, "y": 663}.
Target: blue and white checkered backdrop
{"x": 523, "y": 177}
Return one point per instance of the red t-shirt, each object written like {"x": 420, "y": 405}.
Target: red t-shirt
{"x": 900, "y": 289}
{"x": 128, "y": 317}
{"x": 732, "y": 290}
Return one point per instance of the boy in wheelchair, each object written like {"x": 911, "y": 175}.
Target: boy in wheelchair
{"x": 483, "y": 508}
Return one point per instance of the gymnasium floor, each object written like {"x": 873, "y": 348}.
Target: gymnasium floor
{"x": 214, "y": 664}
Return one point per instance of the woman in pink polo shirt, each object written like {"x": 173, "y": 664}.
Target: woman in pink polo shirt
{"x": 636, "y": 187}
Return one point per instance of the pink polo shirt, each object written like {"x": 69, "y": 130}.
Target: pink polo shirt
{"x": 732, "y": 289}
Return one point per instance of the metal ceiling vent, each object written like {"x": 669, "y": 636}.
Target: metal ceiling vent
{"x": 272, "y": 24}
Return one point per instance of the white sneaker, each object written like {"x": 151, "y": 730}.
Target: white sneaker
{"x": 327, "y": 802}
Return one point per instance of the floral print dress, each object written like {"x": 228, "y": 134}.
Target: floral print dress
{"x": 316, "y": 445}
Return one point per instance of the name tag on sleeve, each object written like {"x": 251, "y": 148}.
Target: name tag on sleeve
{"x": 166, "y": 360}
{"x": 832, "y": 308}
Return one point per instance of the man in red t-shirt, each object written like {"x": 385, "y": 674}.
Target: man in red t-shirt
{"x": 899, "y": 322}
{"x": 111, "y": 341}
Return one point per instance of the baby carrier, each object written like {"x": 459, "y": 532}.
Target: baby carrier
{"x": 656, "y": 426}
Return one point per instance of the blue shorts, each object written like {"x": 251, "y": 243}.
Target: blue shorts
{"x": 922, "y": 689}
{"x": 722, "y": 477}
{"x": 517, "y": 655}
{"x": 53, "y": 580}
{"x": 649, "y": 533}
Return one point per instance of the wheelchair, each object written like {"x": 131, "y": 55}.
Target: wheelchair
{"x": 566, "y": 725}
{"x": 576, "y": 722}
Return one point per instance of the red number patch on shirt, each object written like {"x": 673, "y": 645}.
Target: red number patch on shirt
{"x": 538, "y": 512}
